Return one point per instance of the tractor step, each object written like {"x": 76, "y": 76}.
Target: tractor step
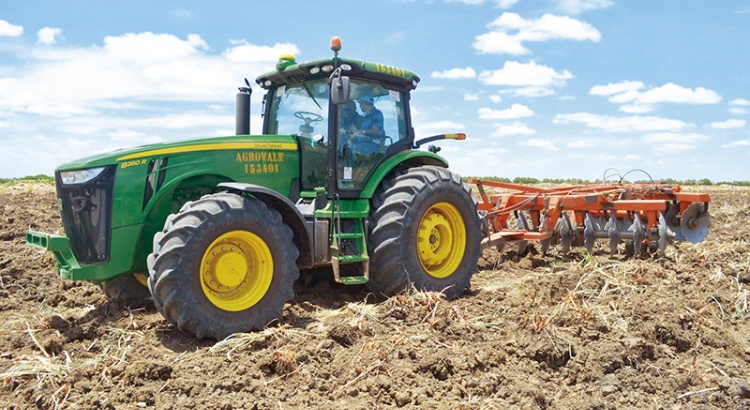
{"x": 351, "y": 269}
{"x": 351, "y": 265}
{"x": 352, "y": 280}
{"x": 351, "y": 258}
{"x": 355, "y": 235}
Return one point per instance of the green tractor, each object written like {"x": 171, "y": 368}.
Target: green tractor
{"x": 216, "y": 230}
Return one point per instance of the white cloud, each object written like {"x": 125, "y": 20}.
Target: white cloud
{"x": 499, "y": 43}
{"x": 665, "y": 142}
{"x": 439, "y": 127}
{"x": 537, "y": 143}
{"x": 139, "y": 67}
{"x": 471, "y": 97}
{"x": 515, "y": 128}
{"x": 728, "y": 124}
{"x": 579, "y": 6}
{"x": 10, "y": 30}
{"x": 505, "y": 4}
{"x": 675, "y": 137}
{"x": 515, "y": 111}
{"x": 112, "y": 94}
{"x": 631, "y": 157}
{"x": 496, "y": 98}
{"x": 740, "y": 102}
{"x": 581, "y": 144}
{"x": 529, "y": 74}
{"x": 637, "y": 108}
{"x": 621, "y": 124}
{"x": 635, "y": 100}
{"x": 738, "y": 111}
{"x": 245, "y": 52}
{"x": 530, "y": 92}
{"x": 455, "y": 73}
{"x": 616, "y": 88}
{"x": 668, "y": 93}
{"x": 181, "y": 13}
{"x": 737, "y": 144}
{"x": 47, "y": 36}
{"x": 510, "y": 31}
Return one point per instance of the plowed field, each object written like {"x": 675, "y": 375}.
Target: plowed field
{"x": 549, "y": 332}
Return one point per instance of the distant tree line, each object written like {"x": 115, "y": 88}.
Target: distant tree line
{"x": 578, "y": 181}
{"x": 28, "y": 179}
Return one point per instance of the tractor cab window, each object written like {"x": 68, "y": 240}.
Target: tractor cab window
{"x": 368, "y": 126}
{"x": 301, "y": 110}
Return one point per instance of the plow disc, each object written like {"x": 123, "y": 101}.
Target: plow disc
{"x": 646, "y": 216}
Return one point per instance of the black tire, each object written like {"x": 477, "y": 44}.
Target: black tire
{"x": 182, "y": 256}
{"x": 126, "y": 289}
{"x": 400, "y": 208}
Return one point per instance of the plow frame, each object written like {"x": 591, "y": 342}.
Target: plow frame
{"x": 550, "y": 211}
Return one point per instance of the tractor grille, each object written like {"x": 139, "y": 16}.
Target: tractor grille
{"x": 87, "y": 216}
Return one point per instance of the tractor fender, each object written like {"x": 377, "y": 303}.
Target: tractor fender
{"x": 289, "y": 214}
{"x": 402, "y": 161}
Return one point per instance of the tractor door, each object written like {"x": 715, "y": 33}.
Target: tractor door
{"x": 371, "y": 127}
{"x": 301, "y": 110}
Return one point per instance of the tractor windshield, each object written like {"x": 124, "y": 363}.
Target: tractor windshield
{"x": 300, "y": 110}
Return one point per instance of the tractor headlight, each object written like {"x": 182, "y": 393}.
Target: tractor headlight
{"x": 80, "y": 176}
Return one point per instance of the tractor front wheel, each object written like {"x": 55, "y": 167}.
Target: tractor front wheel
{"x": 224, "y": 264}
{"x": 424, "y": 233}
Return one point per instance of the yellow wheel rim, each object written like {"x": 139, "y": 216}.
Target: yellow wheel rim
{"x": 441, "y": 240}
{"x": 236, "y": 271}
{"x": 141, "y": 278}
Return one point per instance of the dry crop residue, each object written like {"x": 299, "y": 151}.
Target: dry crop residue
{"x": 549, "y": 332}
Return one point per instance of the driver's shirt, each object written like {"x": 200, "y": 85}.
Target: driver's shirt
{"x": 372, "y": 118}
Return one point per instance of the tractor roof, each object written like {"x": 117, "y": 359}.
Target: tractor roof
{"x": 289, "y": 71}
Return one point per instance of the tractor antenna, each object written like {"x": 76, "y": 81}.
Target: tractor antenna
{"x": 367, "y": 50}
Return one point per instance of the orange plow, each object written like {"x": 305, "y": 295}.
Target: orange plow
{"x": 647, "y": 216}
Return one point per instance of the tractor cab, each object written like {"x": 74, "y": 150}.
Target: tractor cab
{"x": 348, "y": 117}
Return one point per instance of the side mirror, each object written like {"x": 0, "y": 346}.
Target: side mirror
{"x": 339, "y": 89}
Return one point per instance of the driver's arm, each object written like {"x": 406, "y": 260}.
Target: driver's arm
{"x": 376, "y": 125}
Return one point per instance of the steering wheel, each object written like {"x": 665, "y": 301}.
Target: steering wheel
{"x": 308, "y": 117}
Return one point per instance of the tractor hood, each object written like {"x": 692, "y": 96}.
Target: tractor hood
{"x": 243, "y": 142}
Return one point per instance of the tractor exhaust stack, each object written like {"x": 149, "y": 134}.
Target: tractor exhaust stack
{"x": 242, "y": 116}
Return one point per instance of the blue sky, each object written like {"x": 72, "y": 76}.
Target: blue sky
{"x": 542, "y": 88}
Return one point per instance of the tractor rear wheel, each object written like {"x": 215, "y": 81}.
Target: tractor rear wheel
{"x": 127, "y": 288}
{"x": 224, "y": 264}
{"x": 424, "y": 233}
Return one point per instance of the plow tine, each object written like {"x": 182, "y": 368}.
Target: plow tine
{"x": 544, "y": 243}
{"x": 639, "y": 232}
{"x": 565, "y": 235}
{"x": 614, "y": 234}
{"x": 663, "y": 234}
{"x": 589, "y": 233}
{"x": 523, "y": 224}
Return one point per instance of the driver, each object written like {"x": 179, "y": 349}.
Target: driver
{"x": 366, "y": 141}
{"x": 372, "y": 122}
{"x": 349, "y": 120}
